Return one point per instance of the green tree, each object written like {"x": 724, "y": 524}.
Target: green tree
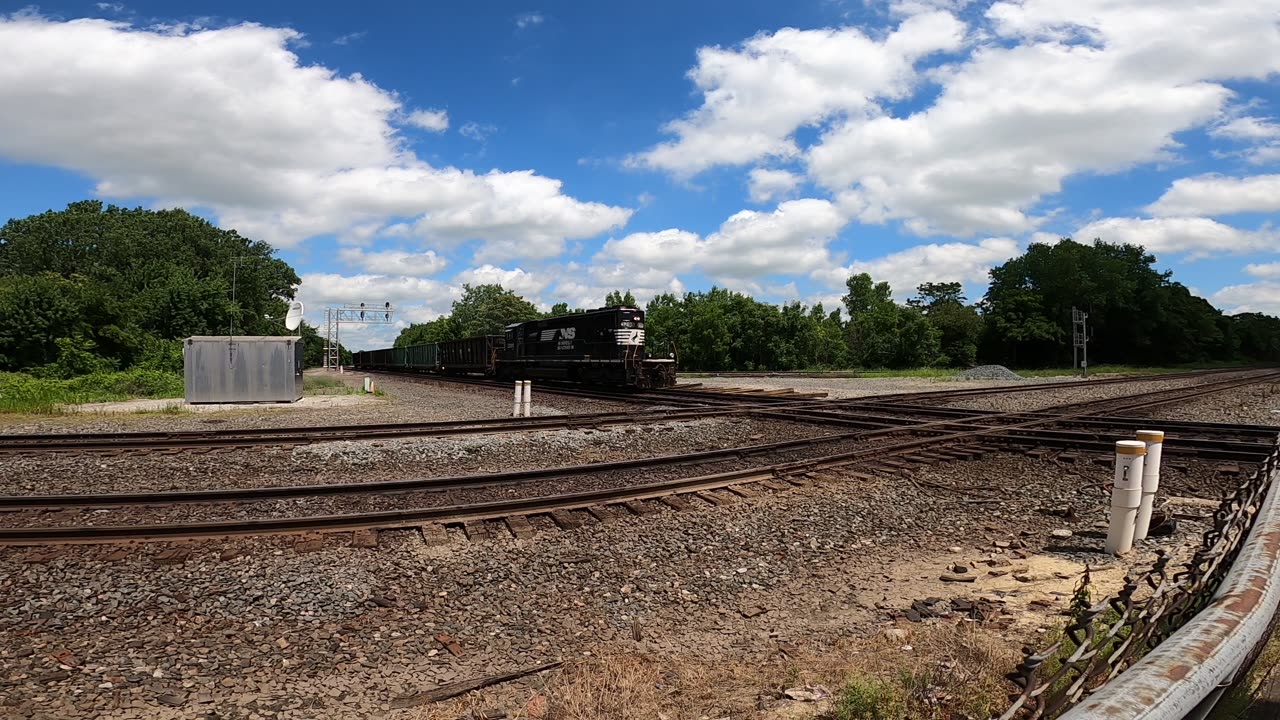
{"x": 487, "y": 309}
{"x": 122, "y": 280}
{"x": 884, "y": 334}
{"x": 959, "y": 325}
{"x": 616, "y": 298}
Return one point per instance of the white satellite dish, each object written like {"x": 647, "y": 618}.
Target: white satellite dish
{"x": 294, "y": 317}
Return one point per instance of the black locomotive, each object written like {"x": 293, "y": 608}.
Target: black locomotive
{"x": 599, "y": 347}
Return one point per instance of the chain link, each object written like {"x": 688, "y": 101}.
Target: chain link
{"x": 1105, "y": 639}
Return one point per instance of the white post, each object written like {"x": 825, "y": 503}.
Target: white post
{"x": 368, "y": 385}
{"x": 528, "y": 396}
{"x": 515, "y": 402}
{"x": 1126, "y": 495}
{"x": 1154, "y": 440}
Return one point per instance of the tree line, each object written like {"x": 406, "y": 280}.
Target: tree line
{"x": 1137, "y": 316}
{"x": 93, "y": 288}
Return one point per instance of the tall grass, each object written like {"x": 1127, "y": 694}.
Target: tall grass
{"x": 23, "y": 393}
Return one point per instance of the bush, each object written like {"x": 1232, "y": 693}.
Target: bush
{"x": 20, "y": 392}
{"x": 868, "y": 700}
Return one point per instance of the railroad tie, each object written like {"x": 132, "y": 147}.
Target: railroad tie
{"x": 601, "y": 513}
{"x": 774, "y": 485}
{"x": 309, "y": 543}
{"x": 639, "y": 507}
{"x": 520, "y": 527}
{"x": 675, "y": 502}
{"x": 565, "y": 520}
{"x": 745, "y": 490}
{"x": 476, "y": 530}
{"x": 364, "y": 538}
{"x": 434, "y": 534}
{"x": 713, "y": 497}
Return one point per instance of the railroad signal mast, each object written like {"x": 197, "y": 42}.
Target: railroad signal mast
{"x": 351, "y": 313}
{"x": 1080, "y": 341}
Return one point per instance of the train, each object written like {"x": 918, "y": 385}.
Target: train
{"x": 597, "y": 347}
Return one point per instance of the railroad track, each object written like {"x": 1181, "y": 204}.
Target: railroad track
{"x": 873, "y": 413}
{"x": 941, "y": 439}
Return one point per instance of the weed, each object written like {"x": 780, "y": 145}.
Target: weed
{"x": 24, "y": 393}
{"x": 868, "y": 700}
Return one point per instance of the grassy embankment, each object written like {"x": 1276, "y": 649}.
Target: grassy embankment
{"x": 23, "y": 393}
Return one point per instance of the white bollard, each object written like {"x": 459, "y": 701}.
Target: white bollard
{"x": 1126, "y": 495}
{"x": 1154, "y": 440}
{"x": 528, "y": 396}
{"x": 515, "y": 402}
{"x": 368, "y": 385}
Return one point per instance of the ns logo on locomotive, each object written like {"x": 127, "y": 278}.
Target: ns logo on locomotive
{"x": 599, "y": 347}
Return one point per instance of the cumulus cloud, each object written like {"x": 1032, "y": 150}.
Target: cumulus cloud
{"x": 1215, "y": 194}
{"x": 229, "y": 119}
{"x": 431, "y": 120}
{"x": 1197, "y": 237}
{"x": 765, "y": 184}
{"x": 755, "y": 97}
{"x": 946, "y": 262}
{"x": 1267, "y": 270}
{"x": 1040, "y": 91}
{"x": 519, "y": 281}
{"x": 394, "y": 262}
{"x": 1263, "y": 297}
{"x": 792, "y": 239}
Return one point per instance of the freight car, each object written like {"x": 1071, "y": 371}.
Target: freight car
{"x": 602, "y": 347}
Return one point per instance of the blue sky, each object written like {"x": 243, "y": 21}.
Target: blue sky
{"x": 394, "y": 152}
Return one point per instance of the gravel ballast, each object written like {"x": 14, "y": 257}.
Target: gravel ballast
{"x": 366, "y": 461}
{"x": 406, "y": 399}
{"x": 343, "y": 631}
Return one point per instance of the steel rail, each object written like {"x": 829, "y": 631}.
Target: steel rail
{"x": 1025, "y": 431}
{"x": 30, "y": 535}
{"x": 786, "y": 409}
{"x": 1183, "y": 677}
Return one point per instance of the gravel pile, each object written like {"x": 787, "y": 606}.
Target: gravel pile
{"x": 342, "y": 632}
{"x": 346, "y": 462}
{"x": 406, "y": 401}
{"x": 988, "y": 372}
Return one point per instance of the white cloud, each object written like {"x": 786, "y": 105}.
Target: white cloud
{"x": 1196, "y": 236}
{"x": 765, "y": 184}
{"x": 394, "y": 262}
{"x": 1214, "y": 194}
{"x": 1042, "y": 90}
{"x": 1247, "y": 128}
{"x": 947, "y": 262}
{"x": 529, "y": 19}
{"x": 1263, "y": 297}
{"x": 756, "y": 96}
{"x": 792, "y": 239}
{"x": 350, "y": 37}
{"x": 586, "y": 296}
{"x": 1261, "y": 137}
{"x": 477, "y": 131}
{"x": 432, "y": 120}
{"x": 230, "y": 120}
{"x": 519, "y": 281}
{"x": 1268, "y": 270}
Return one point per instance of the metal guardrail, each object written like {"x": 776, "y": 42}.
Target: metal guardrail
{"x": 1178, "y": 639}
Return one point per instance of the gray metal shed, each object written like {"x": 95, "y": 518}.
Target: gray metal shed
{"x": 242, "y": 369}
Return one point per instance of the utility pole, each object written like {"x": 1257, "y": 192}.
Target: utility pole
{"x": 1080, "y": 341}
